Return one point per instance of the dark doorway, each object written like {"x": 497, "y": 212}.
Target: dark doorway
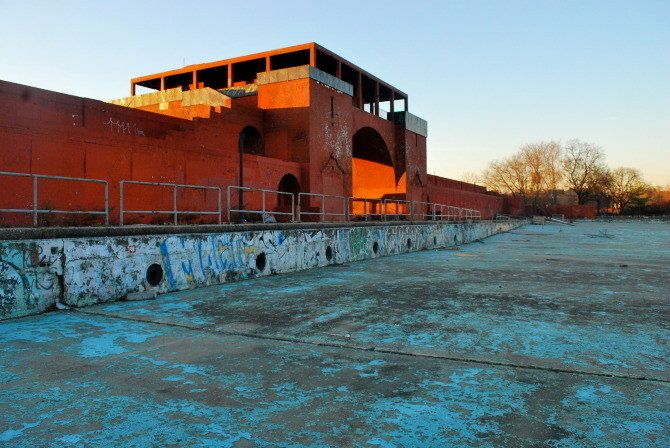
{"x": 252, "y": 141}
{"x": 288, "y": 184}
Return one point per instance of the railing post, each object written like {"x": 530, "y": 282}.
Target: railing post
{"x": 263, "y": 202}
{"x": 35, "y": 200}
{"x": 219, "y": 199}
{"x": 323, "y": 208}
{"x": 121, "y": 203}
{"x": 174, "y": 203}
{"x": 106, "y": 203}
{"x": 292, "y": 207}
{"x": 298, "y": 210}
{"x": 228, "y": 202}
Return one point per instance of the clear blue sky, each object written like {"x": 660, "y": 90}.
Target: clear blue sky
{"x": 488, "y": 76}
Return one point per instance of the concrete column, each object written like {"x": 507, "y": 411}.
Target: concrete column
{"x": 392, "y": 104}
{"x": 132, "y": 88}
{"x": 195, "y": 79}
{"x": 406, "y": 104}
{"x": 230, "y": 75}
{"x": 338, "y": 73}
{"x": 268, "y": 64}
{"x": 359, "y": 87}
{"x": 312, "y": 57}
{"x": 377, "y": 99}
{"x": 162, "y": 83}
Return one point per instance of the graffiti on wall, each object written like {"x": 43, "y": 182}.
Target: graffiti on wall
{"x": 123, "y": 127}
{"x": 28, "y": 276}
{"x": 84, "y": 271}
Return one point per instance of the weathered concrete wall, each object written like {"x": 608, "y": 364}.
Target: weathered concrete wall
{"x": 34, "y": 275}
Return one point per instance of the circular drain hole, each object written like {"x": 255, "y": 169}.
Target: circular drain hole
{"x": 329, "y": 253}
{"x": 434, "y": 241}
{"x": 154, "y": 274}
{"x": 260, "y": 261}
{"x": 375, "y": 248}
{"x": 409, "y": 243}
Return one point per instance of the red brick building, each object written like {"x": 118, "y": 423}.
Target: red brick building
{"x": 299, "y": 119}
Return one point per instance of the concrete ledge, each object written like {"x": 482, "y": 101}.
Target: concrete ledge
{"x": 39, "y": 233}
{"x": 80, "y": 270}
{"x": 305, "y": 71}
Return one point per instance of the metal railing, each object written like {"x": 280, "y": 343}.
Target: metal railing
{"x": 322, "y": 213}
{"x": 469, "y": 214}
{"x": 347, "y": 208}
{"x": 35, "y": 210}
{"x": 433, "y": 211}
{"x": 453, "y": 213}
{"x": 372, "y": 208}
{"x": 175, "y": 212}
{"x": 263, "y": 210}
{"x": 398, "y": 208}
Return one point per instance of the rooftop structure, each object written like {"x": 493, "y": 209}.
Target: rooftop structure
{"x": 368, "y": 91}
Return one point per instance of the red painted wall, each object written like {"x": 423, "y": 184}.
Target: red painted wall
{"x": 45, "y": 132}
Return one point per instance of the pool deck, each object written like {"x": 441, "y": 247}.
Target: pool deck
{"x": 545, "y": 336}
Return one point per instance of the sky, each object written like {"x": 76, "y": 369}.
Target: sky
{"x": 488, "y": 76}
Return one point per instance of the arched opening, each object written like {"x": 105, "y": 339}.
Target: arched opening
{"x": 251, "y": 141}
{"x": 288, "y": 184}
{"x": 369, "y": 145}
{"x": 373, "y": 172}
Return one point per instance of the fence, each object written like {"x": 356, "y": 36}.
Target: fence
{"x": 398, "y": 209}
{"x": 323, "y": 211}
{"x": 366, "y": 208}
{"x": 432, "y": 212}
{"x": 175, "y": 212}
{"x": 35, "y": 210}
{"x": 282, "y": 204}
{"x": 264, "y": 210}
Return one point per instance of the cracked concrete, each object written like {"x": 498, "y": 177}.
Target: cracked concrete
{"x": 544, "y": 336}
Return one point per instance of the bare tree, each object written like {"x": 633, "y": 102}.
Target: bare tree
{"x": 626, "y": 184}
{"x": 542, "y": 159}
{"x": 532, "y": 172}
{"x": 509, "y": 175}
{"x": 581, "y": 163}
{"x": 599, "y": 186}
{"x": 554, "y": 169}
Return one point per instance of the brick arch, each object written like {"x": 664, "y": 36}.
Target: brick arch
{"x": 368, "y": 144}
{"x": 251, "y": 140}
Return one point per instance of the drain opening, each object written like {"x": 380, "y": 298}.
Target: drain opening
{"x": 434, "y": 241}
{"x": 375, "y": 248}
{"x": 260, "y": 261}
{"x": 329, "y": 253}
{"x": 154, "y": 274}
{"x": 409, "y": 243}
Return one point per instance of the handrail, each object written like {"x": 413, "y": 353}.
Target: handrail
{"x": 371, "y": 207}
{"x": 322, "y": 207}
{"x": 175, "y": 209}
{"x": 366, "y": 209}
{"x": 431, "y": 210}
{"x": 409, "y": 208}
{"x": 263, "y": 210}
{"x": 36, "y": 211}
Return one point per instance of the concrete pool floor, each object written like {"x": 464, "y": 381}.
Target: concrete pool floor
{"x": 544, "y": 336}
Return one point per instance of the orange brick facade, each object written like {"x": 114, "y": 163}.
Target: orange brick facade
{"x": 303, "y": 123}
